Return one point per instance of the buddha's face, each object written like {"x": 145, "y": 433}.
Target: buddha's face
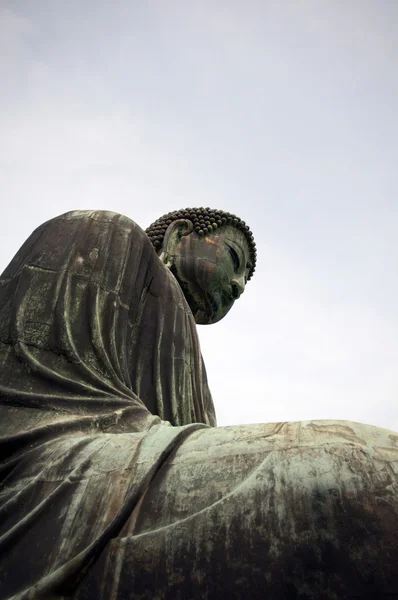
{"x": 212, "y": 270}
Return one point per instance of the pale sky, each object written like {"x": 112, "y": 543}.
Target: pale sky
{"x": 283, "y": 112}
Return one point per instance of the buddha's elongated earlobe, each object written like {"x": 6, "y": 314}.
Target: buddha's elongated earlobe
{"x": 172, "y": 238}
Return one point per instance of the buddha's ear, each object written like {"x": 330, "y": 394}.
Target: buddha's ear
{"x": 172, "y": 239}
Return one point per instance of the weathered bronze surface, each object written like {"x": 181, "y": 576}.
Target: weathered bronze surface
{"x": 115, "y": 482}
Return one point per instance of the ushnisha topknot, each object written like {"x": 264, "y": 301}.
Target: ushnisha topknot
{"x": 204, "y": 221}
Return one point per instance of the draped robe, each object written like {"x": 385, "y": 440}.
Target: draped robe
{"x": 115, "y": 482}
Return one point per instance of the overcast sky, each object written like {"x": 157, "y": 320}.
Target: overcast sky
{"x": 284, "y": 112}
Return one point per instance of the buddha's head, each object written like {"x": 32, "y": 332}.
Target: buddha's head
{"x": 211, "y": 253}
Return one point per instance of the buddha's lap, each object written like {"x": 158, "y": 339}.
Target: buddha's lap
{"x": 259, "y": 467}
{"x": 306, "y": 498}
{"x": 313, "y": 500}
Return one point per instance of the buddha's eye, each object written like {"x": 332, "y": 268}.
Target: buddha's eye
{"x": 235, "y": 258}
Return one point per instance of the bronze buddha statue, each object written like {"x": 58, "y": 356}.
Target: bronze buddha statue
{"x": 116, "y": 482}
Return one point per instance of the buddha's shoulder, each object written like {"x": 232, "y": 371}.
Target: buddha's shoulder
{"x": 100, "y": 216}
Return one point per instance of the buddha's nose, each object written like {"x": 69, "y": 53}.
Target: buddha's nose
{"x": 238, "y": 286}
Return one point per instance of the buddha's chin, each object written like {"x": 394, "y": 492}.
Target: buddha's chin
{"x": 202, "y": 318}
{"x": 207, "y": 307}
{"x": 210, "y": 309}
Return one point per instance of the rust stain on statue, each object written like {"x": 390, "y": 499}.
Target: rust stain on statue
{"x": 388, "y": 454}
{"x": 341, "y": 431}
